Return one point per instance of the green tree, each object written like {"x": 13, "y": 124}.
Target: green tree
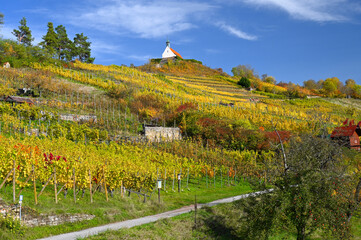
{"x": 244, "y": 71}
{"x": 1, "y": 18}
{"x": 65, "y": 45}
{"x": 330, "y": 85}
{"x": 309, "y": 194}
{"x": 23, "y": 33}
{"x": 82, "y": 48}
{"x": 244, "y": 82}
{"x": 270, "y": 79}
{"x": 310, "y": 84}
{"x": 50, "y": 42}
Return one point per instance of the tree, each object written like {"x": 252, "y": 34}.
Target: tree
{"x": 244, "y": 82}
{"x": 270, "y": 79}
{"x": 82, "y": 48}
{"x": 310, "y": 84}
{"x": 1, "y": 18}
{"x": 50, "y": 42}
{"x": 330, "y": 85}
{"x": 23, "y": 35}
{"x": 244, "y": 71}
{"x": 309, "y": 194}
{"x": 65, "y": 45}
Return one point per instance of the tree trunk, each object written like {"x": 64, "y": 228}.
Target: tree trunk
{"x": 301, "y": 233}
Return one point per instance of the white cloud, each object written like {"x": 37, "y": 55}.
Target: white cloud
{"x": 147, "y": 19}
{"x": 100, "y": 47}
{"x": 314, "y": 10}
{"x": 236, "y": 32}
{"x": 139, "y": 57}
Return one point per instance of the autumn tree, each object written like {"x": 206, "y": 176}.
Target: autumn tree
{"x": 23, "y": 33}
{"x": 82, "y": 48}
{"x": 310, "y": 84}
{"x": 331, "y": 85}
{"x": 244, "y": 71}
{"x": 50, "y": 40}
{"x": 269, "y": 79}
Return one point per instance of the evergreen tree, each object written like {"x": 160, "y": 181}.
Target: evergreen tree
{"x": 82, "y": 48}
{"x": 64, "y": 48}
{"x": 1, "y": 19}
{"x": 244, "y": 82}
{"x": 50, "y": 42}
{"x": 23, "y": 34}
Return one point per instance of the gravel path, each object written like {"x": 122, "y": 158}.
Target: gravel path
{"x": 140, "y": 221}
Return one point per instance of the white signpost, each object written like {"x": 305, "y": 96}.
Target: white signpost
{"x": 20, "y": 202}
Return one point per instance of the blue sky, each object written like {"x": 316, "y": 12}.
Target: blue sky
{"x": 292, "y": 40}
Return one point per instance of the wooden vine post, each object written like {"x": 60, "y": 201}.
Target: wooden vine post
{"x": 74, "y": 186}
{"x": 55, "y": 189}
{"x": 121, "y": 188}
{"x": 34, "y": 183}
{"x": 14, "y": 182}
{"x": 105, "y": 184}
{"x": 90, "y": 186}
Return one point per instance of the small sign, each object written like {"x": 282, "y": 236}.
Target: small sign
{"x": 21, "y": 198}
{"x": 159, "y": 183}
{"x": 179, "y": 176}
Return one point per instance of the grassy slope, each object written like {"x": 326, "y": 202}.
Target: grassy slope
{"x": 219, "y": 222}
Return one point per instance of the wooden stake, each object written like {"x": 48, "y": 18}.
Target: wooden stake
{"x": 55, "y": 190}
{"x": 74, "y": 186}
{"x": 121, "y": 189}
{"x": 7, "y": 176}
{"x": 90, "y": 186}
{"x": 105, "y": 185}
{"x": 46, "y": 184}
{"x": 34, "y": 183}
{"x": 14, "y": 182}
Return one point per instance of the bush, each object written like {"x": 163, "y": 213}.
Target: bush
{"x": 244, "y": 82}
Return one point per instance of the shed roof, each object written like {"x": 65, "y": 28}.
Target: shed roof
{"x": 18, "y": 99}
{"x": 346, "y": 131}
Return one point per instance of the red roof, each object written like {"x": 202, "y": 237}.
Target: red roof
{"x": 176, "y": 53}
{"x": 347, "y": 131}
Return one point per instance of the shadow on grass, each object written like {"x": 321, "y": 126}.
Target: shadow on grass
{"x": 216, "y": 227}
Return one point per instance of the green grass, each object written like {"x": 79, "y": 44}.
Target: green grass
{"x": 117, "y": 208}
{"x": 219, "y": 222}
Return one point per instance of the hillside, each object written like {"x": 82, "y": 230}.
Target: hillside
{"x": 225, "y": 136}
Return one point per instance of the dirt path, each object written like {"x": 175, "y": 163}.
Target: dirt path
{"x": 140, "y": 221}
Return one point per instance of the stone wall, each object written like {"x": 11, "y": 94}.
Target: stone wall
{"x": 158, "y": 134}
{"x": 32, "y": 219}
{"x": 53, "y": 220}
{"x": 78, "y": 118}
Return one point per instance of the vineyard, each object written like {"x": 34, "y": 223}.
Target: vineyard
{"x": 225, "y": 132}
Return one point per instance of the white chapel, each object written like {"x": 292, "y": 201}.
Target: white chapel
{"x": 169, "y": 52}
